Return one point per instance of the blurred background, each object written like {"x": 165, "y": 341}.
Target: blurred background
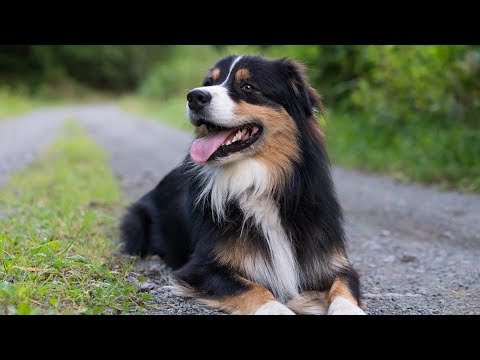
{"x": 412, "y": 112}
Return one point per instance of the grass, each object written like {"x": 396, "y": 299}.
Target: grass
{"x": 423, "y": 153}
{"x": 57, "y": 222}
{"x": 12, "y": 104}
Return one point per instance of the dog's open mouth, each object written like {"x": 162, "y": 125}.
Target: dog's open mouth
{"x": 220, "y": 142}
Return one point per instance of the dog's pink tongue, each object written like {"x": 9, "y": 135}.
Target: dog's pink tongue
{"x": 203, "y": 148}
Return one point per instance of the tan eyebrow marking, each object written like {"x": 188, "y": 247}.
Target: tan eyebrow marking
{"x": 215, "y": 74}
{"x": 242, "y": 74}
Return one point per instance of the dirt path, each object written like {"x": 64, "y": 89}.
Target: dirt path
{"x": 417, "y": 249}
{"x": 23, "y": 137}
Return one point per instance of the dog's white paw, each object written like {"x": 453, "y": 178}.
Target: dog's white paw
{"x": 341, "y": 306}
{"x": 273, "y": 308}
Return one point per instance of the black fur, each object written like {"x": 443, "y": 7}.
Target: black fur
{"x": 167, "y": 222}
{"x": 159, "y": 223}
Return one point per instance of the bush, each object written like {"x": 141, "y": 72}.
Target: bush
{"x": 183, "y": 70}
{"x": 438, "y": 84}
{"x": 112, "y": 67}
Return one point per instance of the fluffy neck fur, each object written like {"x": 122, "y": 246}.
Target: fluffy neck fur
{"x": 233, "y": 181}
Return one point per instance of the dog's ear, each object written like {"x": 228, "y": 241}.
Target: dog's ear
{"x": 301, "y": 89}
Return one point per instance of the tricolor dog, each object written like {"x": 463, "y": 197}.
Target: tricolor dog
{"x": 249, "y": 220}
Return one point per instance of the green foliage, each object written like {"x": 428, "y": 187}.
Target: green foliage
{"x": 449, "y": 157}
{"x": 109, "y": 66}
{"x": 113, "y": 67}
{"x": 14, "y": 103}
{"x": 56, "y": 228}
{"x": 438, "y": 84}
{"x": 182, "y": 71}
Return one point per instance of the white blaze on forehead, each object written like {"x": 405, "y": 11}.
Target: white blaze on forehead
{"x": 237, "y": 59}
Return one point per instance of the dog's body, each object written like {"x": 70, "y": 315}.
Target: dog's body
{"x": 249, "y": 220}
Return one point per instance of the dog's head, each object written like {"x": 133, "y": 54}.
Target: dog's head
{"x": 250, "y": 106}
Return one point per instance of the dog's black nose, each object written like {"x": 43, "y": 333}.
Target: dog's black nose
{"x": 197, "y": 99}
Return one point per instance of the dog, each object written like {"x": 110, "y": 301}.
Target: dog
{"x": 249, "y": 221}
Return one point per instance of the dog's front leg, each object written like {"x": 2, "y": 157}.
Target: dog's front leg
{"x": 220, "y": 288}
{"x": 256, "y": 300}
{"x": 341, "y": 300}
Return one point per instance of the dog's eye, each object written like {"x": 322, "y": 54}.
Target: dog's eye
{"x": 247, "y": 87}
{"x": 207, "y": 82}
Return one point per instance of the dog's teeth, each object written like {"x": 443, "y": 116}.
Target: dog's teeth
{"x": 228, "y": 142}
{"x": 237, "y": 136}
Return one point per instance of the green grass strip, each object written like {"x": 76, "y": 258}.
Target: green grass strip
{"x": 58, "y": 234}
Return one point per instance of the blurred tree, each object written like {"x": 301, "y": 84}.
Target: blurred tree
{"x": 113, "y": 67}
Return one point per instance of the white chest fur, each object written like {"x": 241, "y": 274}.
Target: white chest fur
{"x": 248, "y": 182}
{"x": 280, "y": 274}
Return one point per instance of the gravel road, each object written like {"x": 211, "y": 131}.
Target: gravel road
{"x": 416, "y": 249}
{"x": 23, "y": 137}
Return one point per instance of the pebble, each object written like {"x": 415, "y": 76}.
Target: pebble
{"x": 448, "y": 235}
{"x": 406, "y": 258}
{"x": 385, "y": 233}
